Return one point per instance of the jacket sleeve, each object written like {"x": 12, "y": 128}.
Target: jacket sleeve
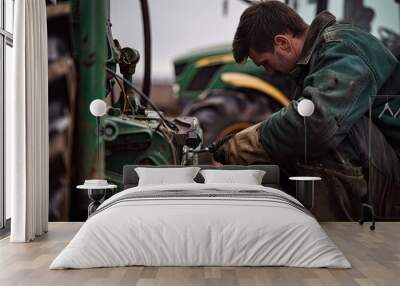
{"x": 339, "y": 84}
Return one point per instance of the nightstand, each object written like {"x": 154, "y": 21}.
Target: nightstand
{"x": 96, "y": 192}
{"x": 305, "y": 187}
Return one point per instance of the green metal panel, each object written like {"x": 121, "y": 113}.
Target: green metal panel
{"x": 90, "y": 47}
{"x": 135, "y": 143}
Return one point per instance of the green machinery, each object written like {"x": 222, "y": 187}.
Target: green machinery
{"x": 206, "y": 69}
{"x": 130, "y": 133}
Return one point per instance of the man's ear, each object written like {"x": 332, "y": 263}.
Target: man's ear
{"x": 282, "y": 42}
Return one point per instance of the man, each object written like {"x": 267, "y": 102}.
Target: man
{"x": 339, "y": 67}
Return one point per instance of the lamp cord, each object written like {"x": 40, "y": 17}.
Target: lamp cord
{"x": 98, "y": 140}
{"x": 305, "y": 141}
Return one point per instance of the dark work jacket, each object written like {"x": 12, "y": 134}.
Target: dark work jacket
{"x": 340, "y": 68}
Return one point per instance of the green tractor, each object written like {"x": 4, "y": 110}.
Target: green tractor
{"x": 227, "y": 97}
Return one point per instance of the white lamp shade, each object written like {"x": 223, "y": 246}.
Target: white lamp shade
{"x": 98, "y": 107}
{"x": 305, "y": 107}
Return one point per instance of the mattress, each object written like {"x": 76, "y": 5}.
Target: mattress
{"x": 201, "y": 225}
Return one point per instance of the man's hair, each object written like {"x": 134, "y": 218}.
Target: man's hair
{"x": 260, "y": 23}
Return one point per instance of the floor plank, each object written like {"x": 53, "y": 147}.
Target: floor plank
{"x": 375, "y": 257}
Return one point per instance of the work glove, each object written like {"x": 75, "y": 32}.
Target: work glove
{"x": 243, "y": 148}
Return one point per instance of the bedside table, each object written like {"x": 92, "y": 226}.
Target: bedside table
{"x": 305, "y": 190}
{"x": 96, "y": 193}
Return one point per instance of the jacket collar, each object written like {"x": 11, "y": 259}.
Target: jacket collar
{"x": 320, "y": 23}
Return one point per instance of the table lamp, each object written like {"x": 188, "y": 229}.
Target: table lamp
{"x": 305, "y": 184}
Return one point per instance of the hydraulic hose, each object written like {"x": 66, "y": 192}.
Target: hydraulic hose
{"x": 167, "y": 123}
{"x": 146, "y": 87}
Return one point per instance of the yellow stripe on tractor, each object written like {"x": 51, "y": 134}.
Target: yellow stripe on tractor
{"x": 214, "y": 60}
{"x": 252, "y": 82}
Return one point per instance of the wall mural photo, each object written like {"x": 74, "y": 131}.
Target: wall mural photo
{"x": 322, "y": 102}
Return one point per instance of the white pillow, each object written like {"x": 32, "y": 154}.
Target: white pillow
{"x": 164, "y": 176}
{"x": 248, "y": 177}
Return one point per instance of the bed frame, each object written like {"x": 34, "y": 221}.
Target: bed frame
{"x": 270, "y": 179}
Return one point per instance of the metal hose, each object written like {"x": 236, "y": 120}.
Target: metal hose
{"x": 146, "y": 87}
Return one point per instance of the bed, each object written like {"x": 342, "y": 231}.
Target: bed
{"x": 201, "y": 224}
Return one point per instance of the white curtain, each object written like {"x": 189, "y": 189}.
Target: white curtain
{"x": 27, "y": 124}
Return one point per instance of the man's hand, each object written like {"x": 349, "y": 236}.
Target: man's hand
{"x": 244, "y": 148}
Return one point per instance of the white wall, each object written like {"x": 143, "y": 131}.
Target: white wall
{"x": 177, "y": 27}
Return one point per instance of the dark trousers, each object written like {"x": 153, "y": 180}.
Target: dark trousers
{"x": 349, "y": 178}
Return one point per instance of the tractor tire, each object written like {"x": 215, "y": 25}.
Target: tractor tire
{"x": 226, "y": 111}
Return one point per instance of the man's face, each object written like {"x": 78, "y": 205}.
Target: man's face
{"x": 282, "y": 60}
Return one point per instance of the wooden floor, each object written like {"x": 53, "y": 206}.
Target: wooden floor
{"x": 375, "y": 256}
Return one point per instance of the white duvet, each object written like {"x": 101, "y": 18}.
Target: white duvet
{"x": 200, "y": 231}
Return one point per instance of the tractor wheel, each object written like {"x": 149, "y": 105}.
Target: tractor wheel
{"x": 224, "y": 111}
